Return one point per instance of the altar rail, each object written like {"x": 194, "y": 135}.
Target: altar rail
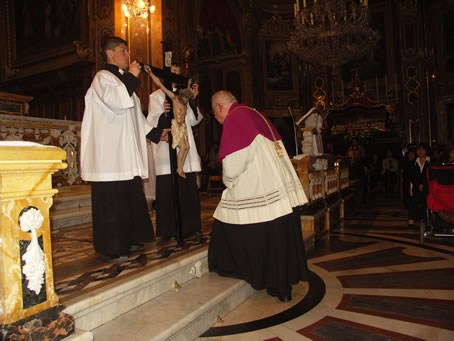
{"x": 324, "y": 179}
{"x": 59, "y": 133}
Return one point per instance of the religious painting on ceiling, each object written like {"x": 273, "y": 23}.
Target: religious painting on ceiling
{"x": 278, "y": 66}
{"x": 41, "y": 27}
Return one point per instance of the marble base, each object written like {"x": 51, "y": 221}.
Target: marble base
{"x": 50, "y": 324}
{"x": 104, "y": 304}
{"x": 70, "y": 217}
{"x": 80, "y": 335}
{"x": 179, "y": 315}
{"x": 315, "y": 224}
{"x": 334, "y": 214}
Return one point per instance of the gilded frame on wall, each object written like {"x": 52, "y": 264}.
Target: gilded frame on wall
{"x": 279, "y": 64}
{"x": 41, "y": 30}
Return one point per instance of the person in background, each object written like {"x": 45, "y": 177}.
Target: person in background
{"x": 420, "y": 185}
{"x": 374, "y": 175}
{"x": 390, "y": 172}
{"x": 357, "y": 176}
{"x": 407, "y": 162}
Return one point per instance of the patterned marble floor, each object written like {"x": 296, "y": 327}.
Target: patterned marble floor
{"x": 79, "y": 269}
{"x": 378, "y": 284}
{"x": 371, "y": 280}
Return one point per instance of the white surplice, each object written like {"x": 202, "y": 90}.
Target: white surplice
{"x": 113, "y": 135}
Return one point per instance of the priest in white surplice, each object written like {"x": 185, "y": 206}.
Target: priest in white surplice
{"x": 114, "y": 155}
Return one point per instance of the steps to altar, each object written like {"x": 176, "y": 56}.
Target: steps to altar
{"x": 174, "y": 301}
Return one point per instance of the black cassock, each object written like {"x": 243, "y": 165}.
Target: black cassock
{"x": 120, "y": 216}
{"x": 189, "y": 195}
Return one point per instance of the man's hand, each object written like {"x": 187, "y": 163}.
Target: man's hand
{"x": 164, "y": 135}
{"x": 166, "y": 106}
{"x": 195, "y": 90}
{"x": 135, "y": 68}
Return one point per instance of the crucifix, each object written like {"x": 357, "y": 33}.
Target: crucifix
{"x": 169, "y": 78}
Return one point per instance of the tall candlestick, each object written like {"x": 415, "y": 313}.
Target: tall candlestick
{"x": 332, "y": 89}
{"x": 312, "y": 18}
{"x": 376, "y": 86}
{"x": 366, "y": 2}
{"x": 294, "y": 10}
{"x": 386, "y": 87}
{"x": 395, "y": 85}
{"x": 297, "y": 5}
{"x": 342, "y": 87}
{"x": 304, "y": 3}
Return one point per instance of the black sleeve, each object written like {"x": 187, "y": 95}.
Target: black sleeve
{"x": 131, "y": 82}
{"x": 193, "y": 105}
{"x": 155, "y": 134}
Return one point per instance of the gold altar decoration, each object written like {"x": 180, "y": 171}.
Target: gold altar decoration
{"x": 137, "y": 8}
{"x": 25, "y": 182}
{"x": 331, "y": 32}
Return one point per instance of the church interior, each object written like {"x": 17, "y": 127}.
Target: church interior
{"x": 327, "y": 73}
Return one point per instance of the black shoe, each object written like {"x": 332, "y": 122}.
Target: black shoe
{"x": 119, "y": 258}
{"x": 165, "y": 240}
{"x": 136, "y": 247}
{"x": 282, "y": 297}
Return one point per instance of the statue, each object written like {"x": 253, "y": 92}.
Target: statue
{"x": 178, "y": 129}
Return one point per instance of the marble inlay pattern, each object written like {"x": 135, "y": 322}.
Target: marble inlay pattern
{"x": 433, "y": 312}
{"x": 104, "y": 273}
{"x": 391, "y": 256}
{"x": 371, "y": 258}
{"x": 331, "y": 328}
{"x": 441, "y": 279}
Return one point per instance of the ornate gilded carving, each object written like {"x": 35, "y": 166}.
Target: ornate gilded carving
{"x": 81, "y": 49}
{"x": 276, "y": 26}
{"x": 104, "y": 8}
{"x": 412, "y": 84}
{"x": 63, "y": 134}
{"x": 319, "y": 93}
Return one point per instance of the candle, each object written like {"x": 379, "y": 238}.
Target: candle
{"x": 294, "y": 10}
{"x": 376, "y": 86}
{"x": 395, "y": 84}
{"x": 332, "y": 89}
{"x": 342, "y": 88}
{"x": 297, "y": 5}
{"x": 312, "y": 18}
{"x": 304, "y": 3}
{"x": 366, "y": 2}
{"x": 386, "y": 87}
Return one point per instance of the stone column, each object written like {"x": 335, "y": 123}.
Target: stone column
{"x": 28, "y": 299}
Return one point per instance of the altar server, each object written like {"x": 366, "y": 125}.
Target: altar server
{"x": 114, "y": 155}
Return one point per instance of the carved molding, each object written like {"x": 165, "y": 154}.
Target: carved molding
{"x": 63, "y": 134}
{"x": 277, "y": 27}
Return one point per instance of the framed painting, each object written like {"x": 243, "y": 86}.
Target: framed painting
{"x": 278, "y": 66}
{"x": 38, "y": 30}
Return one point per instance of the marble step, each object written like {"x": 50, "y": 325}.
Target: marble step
{"x": 70, "y": 217}
{"x": 69, "y": 197}
{"x": 165, "y": 311}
